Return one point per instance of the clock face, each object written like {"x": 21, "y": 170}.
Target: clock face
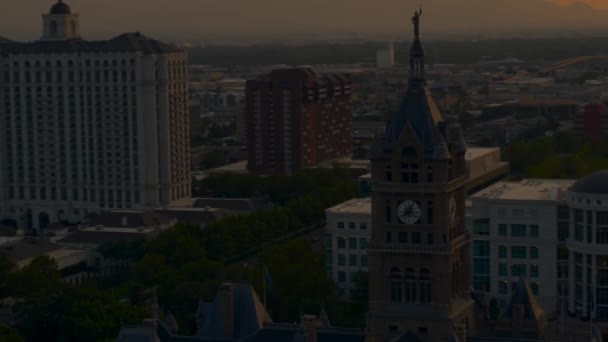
{"x": 408, "y": 212}
{"x": 452, "y": 209}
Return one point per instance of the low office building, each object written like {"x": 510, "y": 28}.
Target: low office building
{"x": 516, "y": 233}
{"x": 348, "y": 231}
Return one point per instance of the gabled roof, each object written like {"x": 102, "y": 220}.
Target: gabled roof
{"x": 249, "y": 313}
{"x": 127, "y": 42}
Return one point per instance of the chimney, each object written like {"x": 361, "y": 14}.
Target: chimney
{"x": 227, "y": 310}
{"x": 309, "y": 326}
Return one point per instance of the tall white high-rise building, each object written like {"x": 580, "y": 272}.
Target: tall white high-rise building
{"x": 90, "y": 125}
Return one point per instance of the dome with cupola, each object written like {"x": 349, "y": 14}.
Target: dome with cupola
{"x": 60, "y": 8}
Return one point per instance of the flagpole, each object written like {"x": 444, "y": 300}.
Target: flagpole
{"x": 264, "y": 286}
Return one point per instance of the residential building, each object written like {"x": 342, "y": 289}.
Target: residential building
{"x": 297, "y": 119}
{"x": 592, "y": 122}
{"x": 90, "y": 125}
{"x": 348, "y": 230}
{"x": 419, "y": 254}
{"x": 519, "y": 229}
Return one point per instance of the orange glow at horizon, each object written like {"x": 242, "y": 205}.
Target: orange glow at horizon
{"x": 599, "y": 4}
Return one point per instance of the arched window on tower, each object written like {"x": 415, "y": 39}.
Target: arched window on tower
{"x": 409, "y": 166}
{"x": 410, "y": 286}
{"x": 395, "y": 276}
{"x": 425, "y": 286}
{"x": 53, "y": 27}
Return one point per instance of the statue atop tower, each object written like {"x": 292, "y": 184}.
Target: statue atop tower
{"x": 416, "y": 22}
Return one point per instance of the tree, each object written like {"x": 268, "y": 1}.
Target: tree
{"x": 299, "y": 281}
{"x": 38, "y": 276}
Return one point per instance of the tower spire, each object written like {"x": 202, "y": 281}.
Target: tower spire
{"x": 416, "y": 52}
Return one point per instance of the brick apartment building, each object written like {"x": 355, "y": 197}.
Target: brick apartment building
{"x": 297, "y": 119}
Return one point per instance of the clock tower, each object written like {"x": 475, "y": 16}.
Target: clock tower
{"x": 419, "y": 255}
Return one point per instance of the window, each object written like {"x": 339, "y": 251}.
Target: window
{"x": 578, "y": 232}
{"x": 481, "y": 248}
{"x": 388, "y": 211}
{"x": 502, "y": 252}
{"x": 518, "y": 252}
{"x": 563, "y": 228}
{"x": 429, "y": 212}
{"x": 481, "y": 266}
{"x": 481, "y": 227}
{"x": 364, "y": 261}
{"x": 534, "y": 230}
{"x": 351, "y": 225}
{"x": 502, "y": 270}
{"x": 389, "y": 237}
{"x": 534, "y": 252}
{"x": 341, "y": 225}
{"x": 425, "y": 286}
{"x": 502, "y": 230}
{"x": 363, "y": 243}
{"x": 341, "y": 243}
{"x": 518, "y": 230}
{"x": 601, "y": 235}
{"x": 395, "y": 285}
{"x": 363, "y": 226}
{"x": 518, "y": 270}
{"x": 430, "y": 238}
{"x": 415, "y": 237}
{"x": 402, "y": 237}
{"x": 341, "y": 260}
{"x": 352, "y": 260}
{"x": 410, "y": 286}
{"x": 534, "y": 271}
{"x": 342, "y": 277}
{"x": 352, "y": 243}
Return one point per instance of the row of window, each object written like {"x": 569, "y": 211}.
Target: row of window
{"x": 518, "y": 270}
{"x": 353, "y": 260}
{"x": 412, "y": 237}
{"x": 601, "y": 234}
{"x": 503, "y": 287}
{"x": 519, "y": 230}
{"x": 352, "y": 225}
{"x": 353, "y": 243}
{"x": 518, "y": 252}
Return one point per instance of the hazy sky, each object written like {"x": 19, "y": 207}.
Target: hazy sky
{"x": 185, "y": 19}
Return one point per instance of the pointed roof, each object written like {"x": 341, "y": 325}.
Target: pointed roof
{"x": 418, "y": 109}
{"x": 523, "y": 296}
{"x": 249, "y": 313}
{"x": 171, "y": 323}
{"x": 323, "y": 318}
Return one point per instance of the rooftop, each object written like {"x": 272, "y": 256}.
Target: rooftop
{"x": 477, "y": 152}
{"x": 28, "y": 248}
{"x": 127, "y": 42}
{"x": 527, "y": 189}
{"x": 353, "y": 206}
